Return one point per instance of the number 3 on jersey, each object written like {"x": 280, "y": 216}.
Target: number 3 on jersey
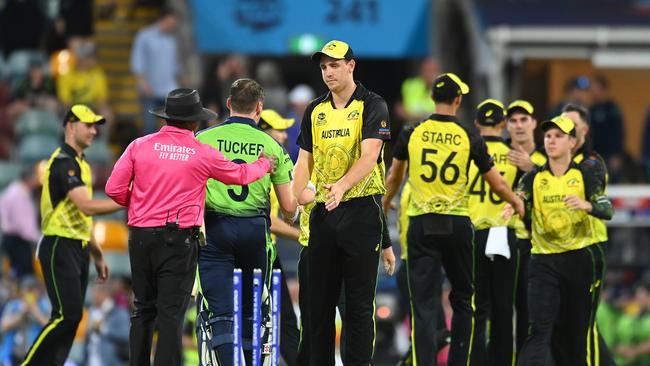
{"x": 477, "y": 188}
{"x": 428, "y": 159}
{"x": 239, "y": 197}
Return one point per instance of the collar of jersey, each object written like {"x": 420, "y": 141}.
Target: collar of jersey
{"x": 442, "y": 118}
{"x": 71, "y": 151}
{"x": 357, "y": 95}
{"x": 547, "y": 166}
{"x": 176, "y": 130}
{"x": 243, "y": 120}
{"x": 493, "y": 138}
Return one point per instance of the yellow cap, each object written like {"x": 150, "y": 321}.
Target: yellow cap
{"x": 81, "y": 113}
{"x": 489, "y": 112}
{"x": 521, "y": 104}
{"x": 564, "y": 124}
{"x": 270, "y": 119}
{"x": 335, "y": 49}
{"x": 448, "y": 86}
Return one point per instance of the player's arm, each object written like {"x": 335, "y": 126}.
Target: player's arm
{"x": 397, "y": 170}
{"x": 394, "y": 180}
{"x": 288, "y": 202}
{"x": 483, "y": 161}
{"x": 280, "y": 228}
{"x": 305, "y": 164}
{"x": 66, "y": 174}
{"x": 80, "y": 196}
{"x": 525, "y": 191}
{"x": 597, "y": 203}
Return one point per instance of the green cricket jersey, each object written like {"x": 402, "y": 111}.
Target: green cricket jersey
{"x": 240, "y": 140}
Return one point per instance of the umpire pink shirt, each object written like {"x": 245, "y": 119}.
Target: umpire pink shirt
{"x": 162, "y": 175}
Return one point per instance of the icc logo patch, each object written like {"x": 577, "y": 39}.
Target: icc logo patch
{"x": 320, "y": 119}
{"x": 543, "y": 184}
{"x": 71, "y": 172}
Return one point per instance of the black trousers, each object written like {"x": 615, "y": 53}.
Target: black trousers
{"x": 20, "y": 254}
{"x": 521, "y": 293}
{"x": 437, "y": 241}
{"x": 65, "y": 270}
{"x": 563, "y": 292}
{"x": 495, "y": 284}
{"x": 344, "y": 248}
{"x": 163, "y": 266}
{"x": 289, "y": 333}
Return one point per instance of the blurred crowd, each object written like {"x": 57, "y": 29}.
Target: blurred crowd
{"x": 50, "y": 63}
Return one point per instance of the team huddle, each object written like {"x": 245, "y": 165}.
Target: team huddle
{"x": 518, "y": 229}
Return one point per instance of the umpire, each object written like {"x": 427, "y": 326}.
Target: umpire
{"x": 341, "y": 139}
{"x": 438, "y": 152}
{"x": 64, "y": 250}
{"x": 161, "y": 178}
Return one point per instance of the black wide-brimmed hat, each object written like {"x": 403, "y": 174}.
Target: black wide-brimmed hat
{"x": 183, "y": 105}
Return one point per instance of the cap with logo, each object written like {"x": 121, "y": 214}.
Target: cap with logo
{"x": 338, "y": 50}
{"x": 448, "y": 86}
{"x": 81, "y": 113}
{"x": 564, "y": 124}
{"x": 520, "y": 105}
{"x": 270, "y": 119}
{"x": 490, "y": 112}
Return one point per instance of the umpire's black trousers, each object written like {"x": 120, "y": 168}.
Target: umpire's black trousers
{"x": 163, "y": 266}
{"x": 65, "y": 270}
{"x": 495, "y": 283}
{"x": 563, "y": 291}
{"x": 437, "y": 241}
{"x": 344, "y": 247}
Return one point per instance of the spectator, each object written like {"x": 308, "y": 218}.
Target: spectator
{"x": 86, "y": 83}
{"x": 22, "y": 24}
{"x": 21, "y": 231}
{"x": 155, "y": 61}
{"x": 108, "y": 329}
{"x": 211, "y": 93}
{"x": 633, "y": 331}
{"x": 416, "y": 102}
{"x": 37, "y": 90}
{"x": 645, "y": 148}
{"x": 275, "y": 92}
{"x": 232, "y": 68}
{"x": 576, "y": 91}
{"x": 299, "y": 97}
{"x": 606, "y": 120}
{"x": 22, "y": 320}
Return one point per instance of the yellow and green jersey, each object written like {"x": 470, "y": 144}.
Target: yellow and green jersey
{"x": 555, "y": 228}
{"x": 485, "y": 207}
{"x": 439, "y": 151}
{"x": 60, "y": 216}
{"x": 334, "y": 137}
{"x": 240, "y": 140}
{"x": 538, "y": 157}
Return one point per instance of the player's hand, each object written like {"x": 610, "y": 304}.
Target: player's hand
{"x": 388, "y": 259}
{"x": 102, "y": 269}
{"x": 273, "y": 161}
{"x": 307, "y": 196}
{"x": 519, "y": 157}
{"x": 519, "y": 208}
{"x": 508, "y": 211}
{"x": 335, "y": 195}
{"x": 575, "y": 203}
{"x": 387, "y": 205}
